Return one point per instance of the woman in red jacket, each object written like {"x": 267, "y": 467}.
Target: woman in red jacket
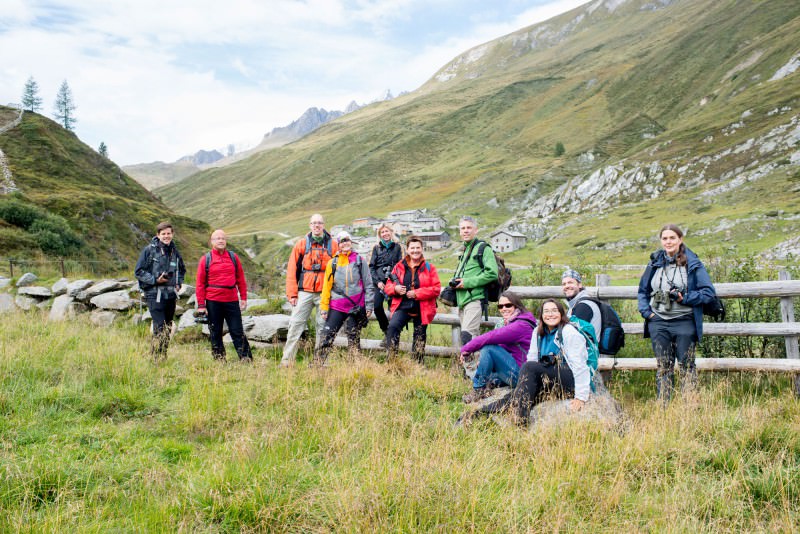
{"x": 415, "y": 284}
{"x": 222, "y": 294}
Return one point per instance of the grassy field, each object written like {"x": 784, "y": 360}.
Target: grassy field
{"x": 96, "y": 439}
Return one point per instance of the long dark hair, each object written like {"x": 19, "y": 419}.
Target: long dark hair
{"x": 540, "y": 316}
{"x": 514, "y": 299}
{"x": 680, "y": 257}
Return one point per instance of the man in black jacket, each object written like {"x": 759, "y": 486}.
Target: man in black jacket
{"x": 160, "y": 271}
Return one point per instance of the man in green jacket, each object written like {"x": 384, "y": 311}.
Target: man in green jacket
{"x": 477, "y": 267}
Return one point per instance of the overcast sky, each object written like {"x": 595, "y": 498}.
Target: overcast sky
{"x": 160, "y": 79}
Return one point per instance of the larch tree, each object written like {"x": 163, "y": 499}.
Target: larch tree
{"x": 65, "y": 107}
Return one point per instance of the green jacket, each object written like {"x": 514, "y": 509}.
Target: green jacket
{"x": 474, "y": 278}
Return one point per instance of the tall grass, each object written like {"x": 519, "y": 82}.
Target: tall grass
{"x": 95, "y": 438}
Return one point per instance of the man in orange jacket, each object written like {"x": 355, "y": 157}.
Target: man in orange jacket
{"x": 305, "y": 275}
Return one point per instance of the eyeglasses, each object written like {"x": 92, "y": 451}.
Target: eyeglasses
{"x": 551, "y": 312}
{"x": 501, "y": 306}
{"x": 344, "y": 240}
{"x": 317, "y": 223}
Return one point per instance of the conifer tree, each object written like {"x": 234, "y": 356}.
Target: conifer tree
{"x": 65, "y": 107}
{"x": 31, "y": 101}
{"x": 103, "y": 149}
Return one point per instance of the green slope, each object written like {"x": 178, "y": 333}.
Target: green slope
{"x": 648, "y": 81}
{"x": 102, "y": 214}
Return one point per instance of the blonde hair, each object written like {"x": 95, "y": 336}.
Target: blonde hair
{"x": 381, "y": 227}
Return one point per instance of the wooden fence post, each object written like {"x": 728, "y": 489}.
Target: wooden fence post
{"x": 455, "y": 331}
{"x": 787, "y": 316}
{"x": 63, "y": 270}
{"x": 11, "y": 268}
{"x": 603, "y": 280}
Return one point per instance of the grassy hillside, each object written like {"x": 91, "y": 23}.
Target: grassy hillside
{"x": 642, "y": 83}
{"x": 96, "y": 439}
{"x": 68, "y": 190}
{"x": 158, "y": 174}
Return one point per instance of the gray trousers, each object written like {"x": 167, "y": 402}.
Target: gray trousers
{"x": 470, "y": 317}
{"x": 306, "y": 302}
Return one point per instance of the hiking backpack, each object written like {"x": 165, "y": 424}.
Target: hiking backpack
{"x": 495, "y": 288}
{"x": 593, "y": 353}
{"x": 612, "y": 335}
{"x": 235, "y": 268}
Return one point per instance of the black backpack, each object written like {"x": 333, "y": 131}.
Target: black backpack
{"x": 235, "y": 267}
{"x": 611, "y": 337}
{"x": 715, "y": 309}
{"x": 495, "y": 288}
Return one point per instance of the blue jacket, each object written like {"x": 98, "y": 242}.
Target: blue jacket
{"x": 154, "y": 260}
{"x": 701, "y": 290}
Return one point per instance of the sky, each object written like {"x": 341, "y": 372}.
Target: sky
{"x": 156, "y": 80}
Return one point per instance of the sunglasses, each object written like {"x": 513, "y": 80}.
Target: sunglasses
{"x": 344, "y": 240}
{"x": 501, "y": 306}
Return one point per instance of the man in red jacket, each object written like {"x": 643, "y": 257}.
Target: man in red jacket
{"x": 222, "y": 294}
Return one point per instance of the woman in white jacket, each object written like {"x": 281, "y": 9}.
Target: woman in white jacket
{"x": 556, "y": 364}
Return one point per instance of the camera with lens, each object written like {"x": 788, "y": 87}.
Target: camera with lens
{"x": 386, "y": 270}
{"x": 673, "y": 293}
{"x": 200, "y": 317}
{"x": 454, "y": 283}
{"x": 393, "y": 277}
{"x": 548, "y": 359}
{"x": 316, "y": 267}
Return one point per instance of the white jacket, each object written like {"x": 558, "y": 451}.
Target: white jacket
{"x": 575, "y": 353}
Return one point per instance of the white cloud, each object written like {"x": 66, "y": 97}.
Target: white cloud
{"x": 159, "y": 79}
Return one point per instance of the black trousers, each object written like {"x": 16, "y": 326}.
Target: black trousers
{"x": 333, "y": 323}
{"x": 400, "y": 318}
{"x": 536, "y": 382}
{"x": 230, "y": 313}
{"x": 163, "y": 313}
{"x": 673, "y": 340}
{"x": 380, "y": 313}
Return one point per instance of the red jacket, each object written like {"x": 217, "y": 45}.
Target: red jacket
{"x": 223, "y": 279}
{"x": 428, "y": 292}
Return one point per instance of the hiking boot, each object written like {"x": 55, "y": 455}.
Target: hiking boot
{"x": 475, "y": 395}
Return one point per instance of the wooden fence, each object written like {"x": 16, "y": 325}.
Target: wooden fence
{"x": 783, "y": 288}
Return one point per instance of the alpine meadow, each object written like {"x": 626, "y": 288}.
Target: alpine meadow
{"x": 584, "y": 133}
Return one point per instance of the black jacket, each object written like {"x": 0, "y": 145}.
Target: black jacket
{"x": 156, "y": 258}
{"x": 382, "y": 261}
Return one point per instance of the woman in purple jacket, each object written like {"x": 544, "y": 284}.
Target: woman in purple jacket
{"x": 503, "y": 350}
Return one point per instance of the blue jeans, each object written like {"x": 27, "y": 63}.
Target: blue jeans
{"x": 496, "y": 364}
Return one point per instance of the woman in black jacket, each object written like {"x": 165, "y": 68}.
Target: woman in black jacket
{"x": 385, "y": 255}
{"x": 160, "y": 271}
{"x": 672, "y": 291}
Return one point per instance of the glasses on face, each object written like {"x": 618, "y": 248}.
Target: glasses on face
{"x": 550, "y": 312}
{"x": 344, "y": 240}
{"x": 317, "y": 223}
{"x": 501, "y": 306}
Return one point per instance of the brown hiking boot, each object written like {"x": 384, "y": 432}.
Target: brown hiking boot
{"x": 475, "y": 395}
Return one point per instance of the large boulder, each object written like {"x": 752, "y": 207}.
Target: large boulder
{"x": 186, "y": 321}
{"x": 267, "y": 328}
{"x": 105, "y": 286}
{"x": 186, "y": 291}
{"x": 25, "y": 303}
{"x": 7, "y": 303}
{"x": 102, "y": 317}
{"x": 26, "y": 279}
{"x": 37, "y": 292}
{"x": 63, "y": 308}
{"x": 60, "y": 287}
{"x": 115, "y": 300}
{"x": 73, "y": 288}
{"x": 600, "y": 407}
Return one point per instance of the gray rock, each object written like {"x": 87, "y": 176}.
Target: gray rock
{"x": 25, "y": 303}
{"x": 179, "y": 310}
{"x": 192, "y": 301}
{"x": 38, "y": 292}
{"x": 186, "y": 321}
{"x": 7, "y": 303}
{"x": 26, "y": 279}
{"x": 256, "y": 302}
{"x": 601, "y": 407}
{"x": 73, "y": 288}
{"x": 60, "y": 287}
{"x": 115, "y": 300}
{"x": 63, "y": 308}
{"x": 106, "y": 286}
{"x": 266, "y": 327}
{"x": 186, "y": 291}
{"x": 102, "y": 318}
{"x": 4, "y": 282}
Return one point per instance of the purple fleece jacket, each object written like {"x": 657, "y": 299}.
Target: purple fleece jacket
{"x": 515, "y": 337}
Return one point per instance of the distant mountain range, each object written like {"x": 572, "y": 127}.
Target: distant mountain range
{"x": 158, "y": 174}
{"x": 586, "y": 132}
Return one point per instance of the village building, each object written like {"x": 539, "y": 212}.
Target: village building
{"x": 507, "y": 241}
{"x": 434, "y": 240}
{"x": 406, "y": 215}
{"x": 366, "y": 222}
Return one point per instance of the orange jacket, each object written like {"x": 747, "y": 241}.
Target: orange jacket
{"x": 306, "y": 272}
